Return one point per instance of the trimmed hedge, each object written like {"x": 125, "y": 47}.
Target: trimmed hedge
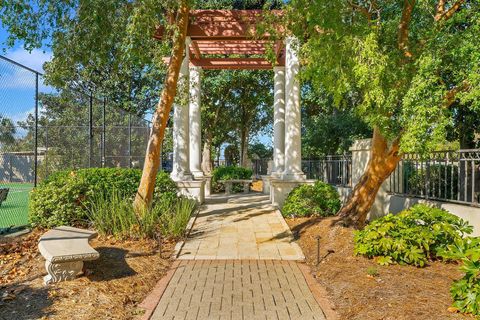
{"x": 229, "y": 172}
{"x": 63, "y": 198}
{"x": 319, "y": 199}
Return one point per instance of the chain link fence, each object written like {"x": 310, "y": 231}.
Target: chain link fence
{"x": 43, "y": 130}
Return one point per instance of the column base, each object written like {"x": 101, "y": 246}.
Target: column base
{"x": 280, "y": 188}
{"x": 181, "y": 176}
{"x": 294, "y": 176}
{"x": 197, "y": 175}
{"x": 266, "y": 184}
{"x": 193, "y": 189}
{"x": 208, "y": 185}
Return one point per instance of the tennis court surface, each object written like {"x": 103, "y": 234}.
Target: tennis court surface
{"x": 14, "y": 210}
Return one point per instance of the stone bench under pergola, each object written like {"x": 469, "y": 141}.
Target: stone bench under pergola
{"x": 230, "y": 33}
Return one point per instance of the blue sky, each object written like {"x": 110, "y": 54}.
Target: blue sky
{"x": 17, "y": 85}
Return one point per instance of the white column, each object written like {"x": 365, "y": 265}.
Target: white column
{"x": 278, "y": 121}
{"x": 195, "y": 122}
{"x": 181, "y": 162}
{"x": 293, "y": 155}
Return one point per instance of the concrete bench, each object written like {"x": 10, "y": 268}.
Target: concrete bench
{"x": 3, "y": 195}
{"x": 229, "y": 183}
{"x": 65, "y": 249}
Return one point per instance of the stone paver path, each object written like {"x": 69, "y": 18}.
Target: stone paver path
{"x": 237, "y": 263}
{"x": 234, "y": 289}
{"x": 240, "y": 227}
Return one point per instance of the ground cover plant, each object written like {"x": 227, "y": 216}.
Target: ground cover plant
{"x": 63, "y": 198}
{"x": 420, "y": 234}
{"x": 412, "y": 237}
{"x": 319, "y": 199}
{"x": 359, "y": 288}
{"x": 466, "y": 291}
{"x": 227, "y": 173}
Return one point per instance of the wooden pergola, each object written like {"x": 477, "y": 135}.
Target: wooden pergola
{"x": 226, "y": 39}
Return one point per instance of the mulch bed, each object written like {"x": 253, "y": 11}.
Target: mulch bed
{"x": 396, "y": 292}
{"x": 111, "y": 288}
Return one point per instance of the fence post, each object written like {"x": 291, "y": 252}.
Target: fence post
{"x": 104, "y": 131}
{"x": 35, "y": 152}
{"x": 90, "y": 130}
{"x": 129, "y": 140}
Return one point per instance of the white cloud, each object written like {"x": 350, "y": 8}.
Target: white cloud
{"x": 14, "y": 77}
{"x": 34, "y": 60}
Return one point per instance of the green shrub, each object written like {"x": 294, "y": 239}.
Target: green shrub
{"x": 113, "y": 214}
{"x": 411, "y": 237}
{"x": 62, "y": 198}
{"x": 229, "y": 172}
{"x": 466, "y": 291}
{"x": 320, "y": 199}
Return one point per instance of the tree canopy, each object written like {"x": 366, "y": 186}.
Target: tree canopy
{"x": 408, "y": 61}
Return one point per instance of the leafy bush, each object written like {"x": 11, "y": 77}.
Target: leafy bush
{"x": 62, "y": 198}
{"x": 466, "y": 291}
{"x": 320, "y": 199}
{"x": 113, "y": 214}
{"x": 227, "y": 173}
{"x": 411, "y": 237}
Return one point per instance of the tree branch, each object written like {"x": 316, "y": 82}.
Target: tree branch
{"x": 449, "y": 13}
{"x": 361, "y": 9}
{"x": 451, "y": 94}
{"x": 440, "y": 9}
{"x": 403, "y": 27}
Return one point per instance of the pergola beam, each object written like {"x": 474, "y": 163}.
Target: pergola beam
{"x": 229, "y": 33}
{"x": 233, "y": 63}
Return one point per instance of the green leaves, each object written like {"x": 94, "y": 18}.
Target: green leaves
{"x": 320, "y": 199}
{"x": 63, "y": 198}
{"x": 412, "y": 237}
{"x": 465, "y": 291}
{"x": 354, "y": 50}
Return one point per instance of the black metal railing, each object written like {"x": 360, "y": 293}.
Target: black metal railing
{"x": 452, "y": 176}
{"x": 334, "y": 169}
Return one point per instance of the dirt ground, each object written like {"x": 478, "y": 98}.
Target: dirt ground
{"x": 395, "y": 292}
{"x": 111, "y": 288}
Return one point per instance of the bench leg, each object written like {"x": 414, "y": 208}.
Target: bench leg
{"x": 246, "y": 187}
{"x": 62, "y": 271}
{"x": 228, "y": 188}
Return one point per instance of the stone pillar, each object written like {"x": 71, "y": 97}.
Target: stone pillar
{"x": 279, "y": 121}
{"x": 293, "y": 154}
{"x": 181, "y": 162}
{"x": 361, "y": 154}
{"x": 195, "y": 122}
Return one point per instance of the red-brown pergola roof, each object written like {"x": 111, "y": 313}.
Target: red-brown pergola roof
{"x": 219, "y": 34}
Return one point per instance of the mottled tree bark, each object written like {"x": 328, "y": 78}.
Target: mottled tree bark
{"x": 151, "y": 166}
{"x": 383, "y": 161}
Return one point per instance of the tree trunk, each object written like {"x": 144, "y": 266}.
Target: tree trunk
{"x": 383, "y": 161}
{"x": 144, "y": 194}
{"x": 243, "y": 148}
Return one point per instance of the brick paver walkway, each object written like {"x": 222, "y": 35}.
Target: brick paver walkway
{"x": 240, "y": 227}
{"x": 237, "y": 263}
{"x": 238, "y": 289}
